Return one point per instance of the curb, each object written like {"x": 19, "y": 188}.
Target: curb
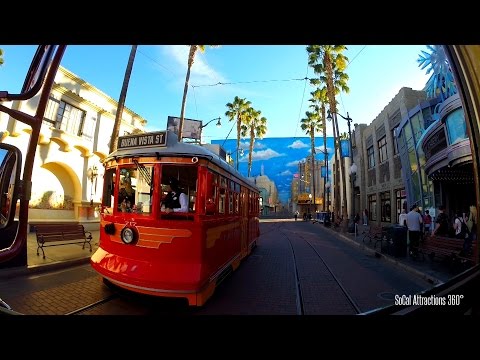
{"x": 38, "y": 269}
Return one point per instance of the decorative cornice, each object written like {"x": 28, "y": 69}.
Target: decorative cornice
{"x": 89, "y": 87}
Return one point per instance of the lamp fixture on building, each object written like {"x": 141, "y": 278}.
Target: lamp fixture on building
{"x": 92, "y": 173}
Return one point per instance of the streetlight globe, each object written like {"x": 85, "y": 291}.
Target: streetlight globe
{"x": 353, "y": 169}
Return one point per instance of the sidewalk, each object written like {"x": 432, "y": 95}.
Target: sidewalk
{"x": 433, "y": 272}
{"x": 55, "y": 256}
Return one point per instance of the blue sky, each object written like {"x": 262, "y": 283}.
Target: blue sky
{"x": 270, "y": 76}
{"x": 267, "y": 75}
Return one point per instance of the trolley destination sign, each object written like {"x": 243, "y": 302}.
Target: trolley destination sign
{"x": 142, "y": 140}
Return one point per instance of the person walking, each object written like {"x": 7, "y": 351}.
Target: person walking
{"x": 365, "y": 217}
{"x": 414, "y": 222}
{"x": 441, "y": 223}
{"x": 427, "y": 222}
{"x": 472, "y": 229}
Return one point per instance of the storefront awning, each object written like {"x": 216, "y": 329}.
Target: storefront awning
{"x": 456, "y": 175}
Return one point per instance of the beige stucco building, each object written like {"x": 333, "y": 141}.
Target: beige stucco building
{"x": 67, "y": 178}
{"x": 379, "y": 186}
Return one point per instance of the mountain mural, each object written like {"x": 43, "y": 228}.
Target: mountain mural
{"x": 278, "y": 157}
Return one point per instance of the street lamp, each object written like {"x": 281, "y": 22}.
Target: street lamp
{"x": 353, "y": 173}
{"x": 218, "y": 124}
{"x": 230, "y": 153}
{"x": 325, "y": 153}
{"x": 353, "y": 169}
{"x": 92, "y": 173}
{"x": 327, "y": 186}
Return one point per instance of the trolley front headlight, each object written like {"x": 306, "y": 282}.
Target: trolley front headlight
{"x": 129, "y": 235}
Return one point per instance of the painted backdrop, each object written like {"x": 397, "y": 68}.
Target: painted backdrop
{"x": 279, "y": 158}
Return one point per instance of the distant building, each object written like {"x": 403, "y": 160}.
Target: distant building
{"x": 268, "y": 194}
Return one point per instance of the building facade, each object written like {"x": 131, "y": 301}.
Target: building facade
{"x": 67, "y": 178}
{"x": 379, "y": 186}
{"x": 445, "y": 159}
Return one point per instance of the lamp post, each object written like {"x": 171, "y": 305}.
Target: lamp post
{"x": 92, "y": 173}
{"x": 327, "y": 185}
{"x": 310, "y": 204}
{"x": 218, "y": 124}
{"x": 325, "y": 153}
{"x": 239, "y": 151}
{"x": 353, "y": 167}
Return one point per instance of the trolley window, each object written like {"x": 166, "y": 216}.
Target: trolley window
{"x": 187, "y": 177}
{"x": 108, "y": 190}
{"x": 211, "y": 194}
{"x": 135, "y": 189}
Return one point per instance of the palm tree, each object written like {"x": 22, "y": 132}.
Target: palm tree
{"x": 310, "y": 124}
{"x": 441, "y": 82}
{"x": 329, "y": 62}
{"x": 1, "y": 56}
{"x": 254, "y": 126}
{"x": 318, "y": 100}
{"x": 191, "y": 59}
{"x": 237, "y": 111}
{"x": 121, "y": 101}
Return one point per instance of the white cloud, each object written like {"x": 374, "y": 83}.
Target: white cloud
{"x": 298, "y": 144}
{"x": 286, "y": 173}
{"x": 201, "y": 72}
{"x": 293, "y": 163}
{"x": 258, "y": 145}
{"x": 262, "y": 155}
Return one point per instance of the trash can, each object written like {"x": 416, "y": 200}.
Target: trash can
{"x": 398, "y": 240}
{"x": 326, "y": 220}
{"x": 351, "y": 227}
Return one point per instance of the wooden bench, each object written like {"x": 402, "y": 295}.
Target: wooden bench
{"x": 61, "y": 234}
{"x": 374, "y": 233}
{"x": 448, "y": 248}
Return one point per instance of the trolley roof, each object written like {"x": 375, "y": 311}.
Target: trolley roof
{"x": 165, "y": 143}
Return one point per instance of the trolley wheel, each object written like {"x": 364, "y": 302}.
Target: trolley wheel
{"x": 109, "y": 284}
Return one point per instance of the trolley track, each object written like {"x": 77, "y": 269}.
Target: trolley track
{"x": 93, "y": 305}
{"x": 302, "y": 307}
